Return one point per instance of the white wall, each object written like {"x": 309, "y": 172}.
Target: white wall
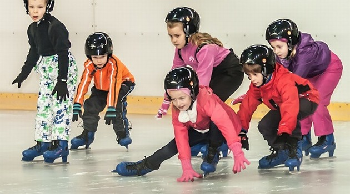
{"x": 140, "y": 37}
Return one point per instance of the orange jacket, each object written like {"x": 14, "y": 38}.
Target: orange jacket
{"x": 108, "y": 78}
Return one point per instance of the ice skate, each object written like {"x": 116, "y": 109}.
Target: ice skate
{"x": 277, "y": 157}
{"x": 325, "y": 144}
{"x": 37, "y": 150}
{"x": 210, "y": 161}
{"x": 58, "y": 149}
{"x": 132, "y": 168}
{"x": 86, "y": 138}
{"x": 294, "y": 153}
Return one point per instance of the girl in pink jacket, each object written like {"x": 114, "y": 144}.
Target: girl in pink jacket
{"x": 194, "y": 107}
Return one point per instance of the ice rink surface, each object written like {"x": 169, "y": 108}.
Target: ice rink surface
{"x": 89, "y": 171}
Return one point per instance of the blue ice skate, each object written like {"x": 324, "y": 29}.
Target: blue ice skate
{"x": 210, "y": 161}
{"x": 295, "y": 157}
{"x": 86, "y": 138}
{"x": 224, "y": 149}
{"x": 197, "y": 148}
{"x": 132, "y": 168}
{"x": 58, "y": 149}
{"x": 123, "y": 137}
{"x": 325, "y": 144}
{"x": 277, "y": 157}
{"x": 306, "y": 143}
{"x": 37, "y": 150}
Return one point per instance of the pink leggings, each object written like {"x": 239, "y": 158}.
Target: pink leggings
{"x": 325, "y": 84}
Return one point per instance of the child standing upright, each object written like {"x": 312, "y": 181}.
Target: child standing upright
{"x": 112, "y": 83}
{"x": 49, "y": 52}
{"x": 289, "y": 97}
{"x": 314, "y": 61}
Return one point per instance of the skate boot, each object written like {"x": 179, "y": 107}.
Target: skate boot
{"x": 224, "y": 149}
{"x": 325, "y": 143}
{"x": 294, "y": 153}
{"x": 306, "y": 143}
{"x": 58, "y": 149}
{"x": 197, "y": 148}
{"x": 86, "y": 138}
{"x": 210, "y": 161}
{"x": 139, "y": 168}
{"x": 37, "y": 150}
{"x": 123, "y": 137}
{"x": 277, "y": 157}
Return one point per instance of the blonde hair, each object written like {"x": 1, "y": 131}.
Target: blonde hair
{"x": 293, "y": 52}
{"x": 204, "y": 38}
{"x": 198, "y": 38}
{"x": 252, "y": 68}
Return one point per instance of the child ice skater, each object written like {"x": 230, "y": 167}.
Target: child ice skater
{"x": 289, "y": 97}
{"x": 112, "y": 83}
{"x": 314, "y": 61}
{"x": 49, "y": 53}
{"x": 194, "y": 106}
{"x": 215, "y": 65}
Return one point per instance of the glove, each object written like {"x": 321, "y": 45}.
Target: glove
{"x": 244, "y": 139}
{"x": 19, "y": 79}
{"x": 163, "y": 109}
{"x": 111, "y": 115}
{"x": 77, "y": 110}
{"x": 188, "y": 172}
{"x": 239, "y": 158}
{"x": 238, "y": 100}
{"x": 281, "y": 141}
{"x": 61, "y": 90}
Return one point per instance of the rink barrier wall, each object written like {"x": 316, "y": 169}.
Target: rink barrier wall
{"x": 151, "y": 104}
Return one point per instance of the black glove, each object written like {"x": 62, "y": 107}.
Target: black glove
{"x": 281, "y": 141}
{"x": 61, "y": 90}
{"x": 244, "y": 139}
{"x": 77, "y": 110}
{"x": 111, "y": 115}
{"x": 19, "y": 80}
{"x": 129, "y": 83}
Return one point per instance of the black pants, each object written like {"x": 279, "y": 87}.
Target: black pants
{"x": 268, "y": 126}
{"x": 96, "y": 103}
{"x": 225, "y": 80}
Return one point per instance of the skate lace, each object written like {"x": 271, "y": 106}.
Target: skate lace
{"x": 320, "y": 141}
{"x": 35, "y": 147}
{"x": 274, "y": 153}
{"x": 212, "y": 152}
{"x": 138, "y": 166}
{"x": 53, "y": 146}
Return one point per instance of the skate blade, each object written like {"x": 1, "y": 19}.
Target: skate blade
{"x": 323, "y": 158}
{"x": 33, "y": 161}
{"x": 80, "y": 149}
{"x": 56, "y": 163}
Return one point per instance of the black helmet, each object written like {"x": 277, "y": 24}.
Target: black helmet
{"x": 98, "y": 43}
{"x": 261, "y": 55}
{"x": 182, "y": 77}
{"x": 283, "y": 28}
{"x": 49, "y": 5}
{"x": 188, "y": 16}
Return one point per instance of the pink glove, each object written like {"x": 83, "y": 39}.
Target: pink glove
{"x": 163, "y": 109}
{"x": 239, "y": 158}
{"x": 188, "y": 172}
{"x": 238, "y": 100}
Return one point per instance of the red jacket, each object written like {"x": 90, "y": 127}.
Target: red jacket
{"x": 108, "y": 78}
{"x": 283, "y": 91}
{"x": 209, "y": 107}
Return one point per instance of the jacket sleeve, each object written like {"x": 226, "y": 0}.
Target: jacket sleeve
{"x": 289, "y": 108}
{"x": 249, "y": 106}
{"x": 84, "y": 83}
{"x": 205, "y": 58}
{"x": 181, "y": 137}
{"x": 115, "y": 78}
{"x": 314, "y": 56}
{"x": 177, "y": 62}
{"x": 59, "y": 39}
{"x": 32, "y": 56}
{"x": 224, "y": 117}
